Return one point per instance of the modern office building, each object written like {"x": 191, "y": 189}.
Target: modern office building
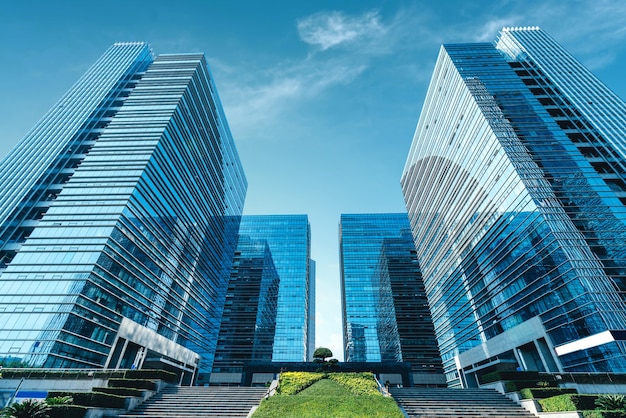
{"x": 515, "y": 189}
{"x": 385, "y": 310}
{"x": 249, "y": 319}
{"x": 119, "y": 218}
{"x": 288, "y": 238}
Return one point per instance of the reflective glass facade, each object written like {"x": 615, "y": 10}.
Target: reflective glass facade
{"x": 249, "y": 319}
{"x": 515, "y": 188}
{"x": 122, "y": 204}
{"x": 289, "y": 240}
{"x": 385, "y": 310}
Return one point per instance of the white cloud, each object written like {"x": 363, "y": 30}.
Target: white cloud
{"x": 353, "y": 44}
{"x": 328, "y": 29}
{"x": 488, "y": 31}
{"x": 252, "y": 108}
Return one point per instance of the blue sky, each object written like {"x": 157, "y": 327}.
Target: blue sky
{"x": 322, "y": 97}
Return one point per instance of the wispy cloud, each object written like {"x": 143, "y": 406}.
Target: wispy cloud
{"x": 487, "y": 31}
{"x": 343, "y": 47}
{"x": 255, "y": 105}
{"x": 325, "y": 30}
{"x": 592, "y": 31}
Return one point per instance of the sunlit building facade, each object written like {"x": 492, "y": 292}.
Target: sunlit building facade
{"x": 288, "y": 238}
{"x": 385, "y": 310}
{"x": 515, "y": 189}
{"x": 119, "y": 218}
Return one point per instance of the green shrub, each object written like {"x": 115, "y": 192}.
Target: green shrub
{"x": 68, "y": 411}
{"x": 542, "y": 393}
{"x": 294, "y": 382}
{"x": 611, "y": 402}
{"x": 603, "y": 414}
{"x": 164, "y": 375}
{"x": 358, "y": 383}
{"x": 568, "y": 402}
{"x": 100, "y": 400}
{"x": 517, "y": 376}
{"x": 595, "y": 378}
{"x": 133, "y": 383}
{"x": 510, "y": 387}
{"x": 121, "y": 391}
{"x": 518, "y": 385}
{"x": 60, "y": 374}
{"x": 59, "y": 400}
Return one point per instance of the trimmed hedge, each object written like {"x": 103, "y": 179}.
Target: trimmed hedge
{"x": 603, "y": 414}
{"x": 518, "y": 385}
{"x": 358, "y": 383}
{"x": 53, "y": 374}
{"x": 542, "y": 393}
{"x": 568, "y": 402}
{"x": 121, "y": 391}
{"x": 164, "y": 375}
{"x": 67, "y": 411}
{"x": 595, "y": 378}
{"x": 133, "y": 383}
{"x": 97, "y": 399}
{"x": 517, "y": 376}
{"x": 294, "y": 382}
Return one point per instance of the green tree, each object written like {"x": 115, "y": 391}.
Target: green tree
{"x": 322, "y": 353}
{"x": 28, "y": 408}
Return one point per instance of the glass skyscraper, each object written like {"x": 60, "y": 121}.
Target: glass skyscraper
{"x": 515, "y": 186}
{"x": 249, "y": 319}
{"x": 119, "y": 218}
{"x": 288, "y": 238}
{"x": 385, "y": 310}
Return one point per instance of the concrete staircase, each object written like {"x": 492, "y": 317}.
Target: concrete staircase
{"x": 199, "y": 401}
{"x": 456, "y": 403}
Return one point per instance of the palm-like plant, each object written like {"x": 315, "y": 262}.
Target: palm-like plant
{"x": 28, "y": 408}
{"x": 611, "y": 402}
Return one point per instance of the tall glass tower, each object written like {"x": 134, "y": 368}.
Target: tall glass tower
{"x": 515, "y": 186}
{"x": 118, "y": 220}
{"x": 385, "y": 310}
{"x": 289, "y": 240}
{"x": 249, "y": 320}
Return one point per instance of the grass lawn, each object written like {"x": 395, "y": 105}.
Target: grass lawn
{"x": 325, "y": 399}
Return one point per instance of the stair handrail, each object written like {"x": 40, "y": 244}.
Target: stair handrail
{"x": 14, "y": 395}
{"x": 272, "y": 390}
{"x": 383, "y": 389}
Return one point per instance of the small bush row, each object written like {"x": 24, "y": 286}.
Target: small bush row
{"x": 568, "y": 402}
{"x": 543, "y": 393}
{"x": 294, "y": 382}
{"x": 121, "y": 391}
{"x": 358, "y": 383}
{"x": 101, "y": 400}
{"x": 603, "y": 414}
{"x": 164, "y": 375}
{"x": 518, "y": 376}
{"x": 133, "y": 383}
{"x": 67, "y": 411}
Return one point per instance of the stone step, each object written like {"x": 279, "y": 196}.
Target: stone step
{"x": 456, "y": 403}
{"x": 197, "y": 401}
